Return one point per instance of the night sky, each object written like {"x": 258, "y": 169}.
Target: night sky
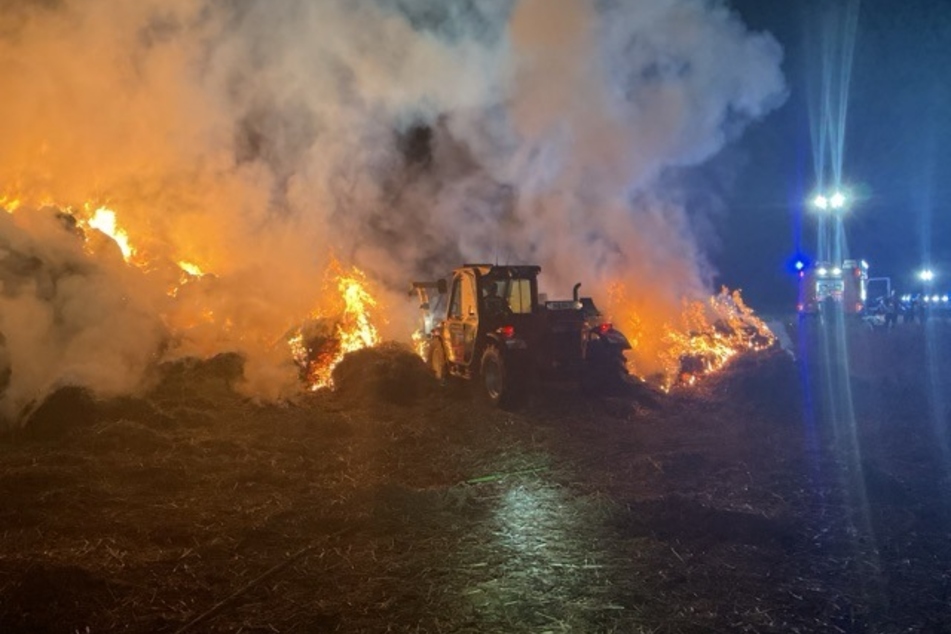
{"x": 895, "y": 160}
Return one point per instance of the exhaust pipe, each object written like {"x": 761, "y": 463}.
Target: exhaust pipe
{"x": 574, "y": 291}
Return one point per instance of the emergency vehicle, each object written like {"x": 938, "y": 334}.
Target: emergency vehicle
{"x": 840, "y": 286}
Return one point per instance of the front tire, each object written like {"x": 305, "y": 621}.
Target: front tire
{"x": 437, "y": 361}
{"x": 500, "y": 385}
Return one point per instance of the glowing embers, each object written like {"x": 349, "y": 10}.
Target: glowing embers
{"x": 9, "y": 202}
{"x": 344, "y": 325}
{"x": 711, "y": 334}
{"x": 190, "y": 268}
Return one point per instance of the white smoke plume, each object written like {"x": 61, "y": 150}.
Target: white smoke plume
{"x": 260, "y": 139}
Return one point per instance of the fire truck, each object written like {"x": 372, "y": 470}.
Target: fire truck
{"x": 828, "y": 285}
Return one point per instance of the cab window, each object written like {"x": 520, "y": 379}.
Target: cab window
{"x": 463, "y": 301}
{"x": 455, "y": 303}
{"x": 468, "y": 295}
{"x": 519, "y": 296}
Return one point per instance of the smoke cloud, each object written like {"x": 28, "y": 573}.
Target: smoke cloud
{"x": 260, "y": 140}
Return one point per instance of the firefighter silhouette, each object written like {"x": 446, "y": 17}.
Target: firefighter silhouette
{"x": 891, "y": 311}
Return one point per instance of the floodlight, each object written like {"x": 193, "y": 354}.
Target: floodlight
{"x": 926, "y": 275}
{"x": 837, "y": 200}
{"x": 820, "y": 202}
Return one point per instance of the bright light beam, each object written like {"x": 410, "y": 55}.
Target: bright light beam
{"x": 837, "y": 200}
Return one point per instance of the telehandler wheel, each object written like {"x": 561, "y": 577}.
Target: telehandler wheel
{"x": 605, "y": 373}
{"x": 437, "y": 361}
{"x": 502, "y": 384}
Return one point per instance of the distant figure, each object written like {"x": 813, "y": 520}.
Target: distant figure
{"x": 908, "y": 311}
{"x": 891, "y": 311}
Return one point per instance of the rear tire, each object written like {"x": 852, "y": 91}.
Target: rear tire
{"x": 605, "y": 372}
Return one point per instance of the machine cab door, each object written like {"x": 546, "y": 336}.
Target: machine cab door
{"x": 462, "y": 319}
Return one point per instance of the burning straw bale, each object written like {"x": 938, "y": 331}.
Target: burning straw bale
{"x": 389, "y": 373}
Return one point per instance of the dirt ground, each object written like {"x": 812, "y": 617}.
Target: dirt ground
{"x": 783, "y": 495}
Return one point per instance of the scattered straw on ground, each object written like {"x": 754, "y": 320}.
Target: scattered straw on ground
{"x": 738, "y": 506}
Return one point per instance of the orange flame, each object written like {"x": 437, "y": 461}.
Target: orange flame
{"x": 189, "y": 272}
{"x": 701, "y": 347}
{"x": 703, "y": 339}
{"x": 10, "y": 202}
{"x": 709, "y": 334}
{"x": 191, "y": 268}
{"x": 104, "y": 219}
{"x": 353, "y": 329}
{"x": 91, "y": 216}
{"x": 348, "y": 312}
{"x": 420, "y": 344}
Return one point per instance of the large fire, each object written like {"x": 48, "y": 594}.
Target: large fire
{"x": 316, "y": 353}
{"x": 341, "y": 324}
{"x": 711, "y": 334}
{"x": 93, "y": 216}
{"x": 211, "y": 186}
{"x": 705, "y": 337}
{"x": 336, "y": 330}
